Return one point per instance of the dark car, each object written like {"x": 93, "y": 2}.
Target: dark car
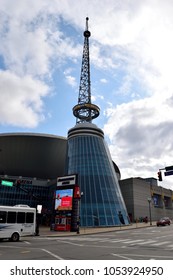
{"x": 164, "y": 221}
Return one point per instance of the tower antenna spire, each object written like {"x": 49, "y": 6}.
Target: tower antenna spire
{"x": 85, "y": 111}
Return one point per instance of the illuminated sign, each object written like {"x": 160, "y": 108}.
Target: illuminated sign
{"x": 6, "y": 183}
{"x": 63, "y": 199}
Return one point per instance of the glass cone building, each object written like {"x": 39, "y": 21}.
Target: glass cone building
{"x": 88, "y": 156}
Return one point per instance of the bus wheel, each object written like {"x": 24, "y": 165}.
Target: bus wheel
{"x": 15, "y": 237}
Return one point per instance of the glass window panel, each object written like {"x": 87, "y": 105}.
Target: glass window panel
{"x": 11, "y": 217}
{"x": 3, "y": 216}
{"x": 20, "y": 217}
{"x": 29, "y": 217}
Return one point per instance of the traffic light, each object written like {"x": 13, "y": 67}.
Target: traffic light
{"x": 159, "y": 175}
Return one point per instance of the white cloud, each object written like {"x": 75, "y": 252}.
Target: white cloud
{"x": 21, "y": 100}
{"x": 140, "y": 134}
{"x": 71, "y": 81}
{"x": 104, "y": 81}
{"x": 32, "y": 45}
{"x": 26, "y": 52}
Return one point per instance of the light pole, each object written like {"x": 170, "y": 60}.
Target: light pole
{"x": 149, "y": 202}
{"x": 79, "y": 212}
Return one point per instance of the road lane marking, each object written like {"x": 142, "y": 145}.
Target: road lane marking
{"x": 52, "y": 254}
{"x": 120, "y": 256}
{"x": 118, "y": 240}
{"x": 146, "y": 242}
{"x": 148, "y": 256}
{"x": 164, "y": 236}
{"x": 72, "y": 243}
{"x": 27, "y": 242}
{"x": 161, "y": 243}
{"x": 133, "y": 241}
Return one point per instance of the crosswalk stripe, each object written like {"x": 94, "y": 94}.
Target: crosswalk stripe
{"x": 126, "y": 241}
{"x": 118, "y": 240}
{"x": 161, "y": 243}
{"x": 146, "y": 242}
{"x": 133, "y": 241}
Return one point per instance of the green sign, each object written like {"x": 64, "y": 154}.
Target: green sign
{"x": 6, "y": 183}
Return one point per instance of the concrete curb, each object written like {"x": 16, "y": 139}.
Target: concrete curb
{"x": 46, "y": 232}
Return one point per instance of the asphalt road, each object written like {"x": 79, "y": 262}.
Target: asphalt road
{"x": 154, "y": 243}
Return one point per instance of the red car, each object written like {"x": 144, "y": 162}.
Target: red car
{"x": 164, "y": 221}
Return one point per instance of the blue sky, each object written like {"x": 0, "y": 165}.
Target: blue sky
{"x": 131, "y": 74}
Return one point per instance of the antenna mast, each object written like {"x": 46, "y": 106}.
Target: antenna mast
{"x": 85, "y": 111}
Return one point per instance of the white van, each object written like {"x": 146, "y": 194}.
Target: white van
{"x": 17, "y": 221}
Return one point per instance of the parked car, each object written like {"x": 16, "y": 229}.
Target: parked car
{"x": 164, "y": 221}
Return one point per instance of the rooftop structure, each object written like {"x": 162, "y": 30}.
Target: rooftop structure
{"x": 32, "y": 155}
{"x": 85, "y": 111}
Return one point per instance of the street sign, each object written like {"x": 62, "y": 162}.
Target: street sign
{"x": 168, "y": 173}
{"x": 168, "y": 168}
{"x": 7, "y": 183}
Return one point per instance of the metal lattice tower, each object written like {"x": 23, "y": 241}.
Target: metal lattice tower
{"x": 85, "y": 111}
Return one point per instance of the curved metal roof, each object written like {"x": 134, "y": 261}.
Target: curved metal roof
{"x": 32, "y": 155}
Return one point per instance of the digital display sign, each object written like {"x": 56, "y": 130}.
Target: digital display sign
{"x": 63, "y": 199}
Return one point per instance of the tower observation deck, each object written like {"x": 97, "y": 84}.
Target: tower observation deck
{"x": 85, "y": 111}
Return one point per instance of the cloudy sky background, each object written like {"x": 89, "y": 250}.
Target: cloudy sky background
{"x": 131, "y": 56}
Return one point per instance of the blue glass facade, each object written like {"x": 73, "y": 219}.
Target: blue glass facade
{"x": 28, "y": 194}
{"x": 88, "y": 156}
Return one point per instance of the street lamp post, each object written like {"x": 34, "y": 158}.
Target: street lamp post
{"x": 79, "y": 206}
{"x": 149, "y": 202}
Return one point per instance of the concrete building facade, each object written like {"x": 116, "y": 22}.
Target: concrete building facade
{"x": 144, "y": 195}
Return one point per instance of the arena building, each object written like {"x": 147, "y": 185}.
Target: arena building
{"x": 32, "y": 155}
{"x": 36, "y": 160}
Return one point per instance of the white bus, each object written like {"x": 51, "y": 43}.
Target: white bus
{"x": 17, "y": 221}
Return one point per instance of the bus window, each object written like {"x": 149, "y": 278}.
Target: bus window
{"x": 29, "y": 217}
{"x": 3, "y": 217}
{"x": 11, "y": 217}
{"x": 21, "y": 217}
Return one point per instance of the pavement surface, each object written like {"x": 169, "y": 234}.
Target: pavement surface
{"x": 45, "y": 231}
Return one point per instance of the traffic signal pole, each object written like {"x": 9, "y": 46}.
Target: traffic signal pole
{"x": 168, "y": 172}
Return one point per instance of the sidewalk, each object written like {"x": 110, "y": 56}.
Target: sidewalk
{"x": 45, "y": 231}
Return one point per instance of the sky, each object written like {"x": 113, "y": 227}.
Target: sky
{"x": 131, "y": 58}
